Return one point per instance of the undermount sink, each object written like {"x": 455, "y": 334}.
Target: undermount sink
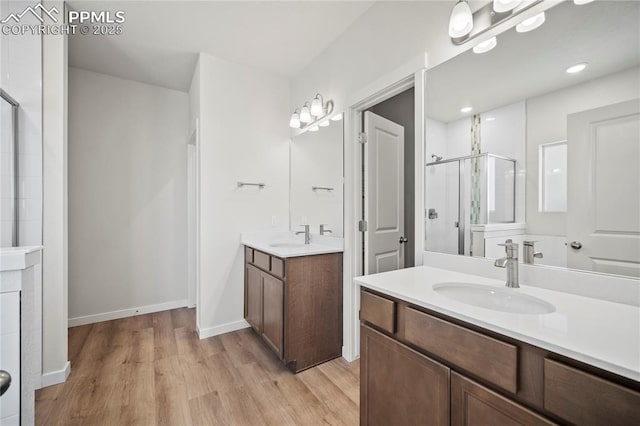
{"x": 287, "y": 245}
{"x": 497, "y": 299}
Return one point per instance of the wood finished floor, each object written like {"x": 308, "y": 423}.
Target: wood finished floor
{"x": 153, "y": 370}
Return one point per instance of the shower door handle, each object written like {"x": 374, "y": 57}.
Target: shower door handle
{"x": 5, "y": 381}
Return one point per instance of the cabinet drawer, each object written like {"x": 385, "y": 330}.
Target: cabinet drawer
{"x": 483, "y": 356}
{"x": 584, "y": 399}
{"x": 378, "y": 311}
{"x": 473, "y": 404}
{"x": 248, "y": 254}
{"x": 261, "y": 260}
{"x": 277, "y": 267}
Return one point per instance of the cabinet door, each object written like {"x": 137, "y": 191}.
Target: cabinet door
{"x": 253, "y": 297}
{"x": 400, "y": 386}
{"x": 473, "y": 404}
{"x": 273, "y": 312}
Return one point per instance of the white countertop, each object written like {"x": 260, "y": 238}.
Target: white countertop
{"x": 264, "y": 241}
{"x": 16, "y": 258}
{"x": 597, "y": 332}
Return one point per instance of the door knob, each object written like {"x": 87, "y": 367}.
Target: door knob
{"x": 576, "y": 245}
{"x": 5, "y": 381}
{"x": 403, "y": 239}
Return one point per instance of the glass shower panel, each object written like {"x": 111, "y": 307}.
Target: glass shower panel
{"x": 442, "y": 198}
{"x": 7, "y": 175}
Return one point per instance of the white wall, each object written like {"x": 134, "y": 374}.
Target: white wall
{"x": 547, "y": 122}
{"x": 127, "y": 197}
{"x": 55, "y": 213}
{"x": 244, "y": 116}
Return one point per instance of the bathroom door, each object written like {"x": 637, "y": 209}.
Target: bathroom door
{"x": 384, "y": 194}
{"x": 603, "y": 187}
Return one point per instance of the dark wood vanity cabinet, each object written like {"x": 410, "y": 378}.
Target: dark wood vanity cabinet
{"x": 416, "y": 364}
{"x": 295, "y": 305}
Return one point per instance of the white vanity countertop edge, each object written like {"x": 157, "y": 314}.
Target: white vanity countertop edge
{"x": 597, "y": 332}
{"x": 18, "y": 258}
{"x": 264, "y": 245}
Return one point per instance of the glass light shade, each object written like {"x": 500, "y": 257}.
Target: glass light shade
{"x": 314, "y": 129}
{"x": 305, "y": 115}
{"x": 324, "y": 123}
{"x": 461, "y": 20}
{"x": 337, "y": 117}
{"x": 485, "y": 46}
{"x": 294, "y": 121}
{"x": 531, "y": 24}
{"x": 502, "y": 6}
{"x": 581, "y": 2}
{"x": 317, "y": 109}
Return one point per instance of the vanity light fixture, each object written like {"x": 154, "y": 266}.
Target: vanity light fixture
{"x": 502, "y": 6}
{"x": 294, "y": 121}
{"x": 312, "y": 115}
{"x": 305, "y": 114}
{"x": 461, "y": 20}
{"x": 581, "y": 2}
{"x": 574, "y": 69}
{"x": 337, "y": 117}
{"x": 466, "y": 109}
{"x": 531, "y": 24}
{"x": 317, "y": 106}
{"x": 485, "y": 46}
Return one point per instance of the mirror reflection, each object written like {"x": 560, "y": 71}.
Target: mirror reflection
{"x": 538, "y": 141}
{"x": 316, "y": 179}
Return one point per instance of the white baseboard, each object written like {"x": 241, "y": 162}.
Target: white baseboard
{"x": 56, "y": 377}
{"x": 221, "y": 329}
{"x": 140, "y": 310}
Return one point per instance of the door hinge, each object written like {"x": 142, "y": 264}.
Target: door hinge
{"x": 362, "y": 226}
{"x": 362, "y": 137}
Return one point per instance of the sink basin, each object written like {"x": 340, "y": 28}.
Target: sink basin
{"x": 497, "y": 299}
{"x": 287, "y": 245}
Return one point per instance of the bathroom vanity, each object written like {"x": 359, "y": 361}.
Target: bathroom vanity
{"x": 293, "y": 300}
{"x": 429, "y": 359}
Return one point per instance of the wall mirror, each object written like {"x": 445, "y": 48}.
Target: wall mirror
{"x": 538, "y": 140}
{"x": 8, "y": 170}
{"x": 316, "y": 192}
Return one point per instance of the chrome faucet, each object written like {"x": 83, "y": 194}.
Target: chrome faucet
{"x": 324, "y": 230}
{"x": 529, "y": 252}
{"x": 307, "y": 235}
{"x": 510, "y": 262}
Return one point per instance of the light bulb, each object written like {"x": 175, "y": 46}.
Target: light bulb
{"x": 531, "y": 24}
{"x": 502, "y": 6}
{"x": 324, "y": 123}
{"x": 317, "y": 109}
{"x": 294, "y": 122}
{"x": 581, "y": 2}
{"x": 305, "y": 115}
{"x": 461, "y": 20}
{"x": 314, "y": 129}
{"x": 337, "y": 117}
{"x": 576, "y": 68}
{"x": 485, "y": 46}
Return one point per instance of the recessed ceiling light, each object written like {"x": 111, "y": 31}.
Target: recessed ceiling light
{"x": 576, "y": 68}
{"x": 485, "y": 46}
{"x": 491, "y": 118}
{"x": 465, "y": 109}
{"x": 581, "y": 2}
{"x": 531, "y": 24}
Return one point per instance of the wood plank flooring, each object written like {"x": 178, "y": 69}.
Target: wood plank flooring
{"x": 153, "y": 370}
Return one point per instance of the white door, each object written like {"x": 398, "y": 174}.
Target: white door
{"x": 384, "y": 194}
{"x": 603, "y": 187}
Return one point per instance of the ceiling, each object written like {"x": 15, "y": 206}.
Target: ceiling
{"x": 161, "y": 39}
{"x": 604, "y": 34}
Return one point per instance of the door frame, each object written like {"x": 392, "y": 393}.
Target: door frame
{"x": 393, "y": 84}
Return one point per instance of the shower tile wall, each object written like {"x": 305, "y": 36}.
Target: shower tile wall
{"x": 20, "y": 66}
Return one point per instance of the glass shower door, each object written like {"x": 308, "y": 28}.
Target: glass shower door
{"x": 442, "y": 202}
{"x": 8, "y": 180}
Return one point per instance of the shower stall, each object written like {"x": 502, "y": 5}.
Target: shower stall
{"x": 8, "y": 170}
{"x": 464, "y": 191}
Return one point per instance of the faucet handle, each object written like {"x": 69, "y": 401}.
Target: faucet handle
{"x": 510, "y": 248}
